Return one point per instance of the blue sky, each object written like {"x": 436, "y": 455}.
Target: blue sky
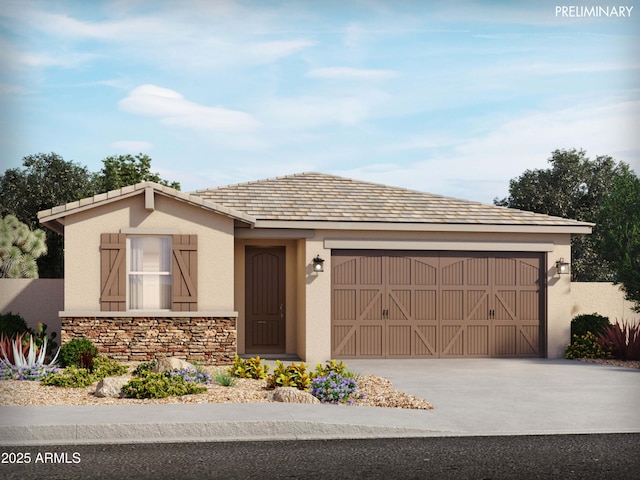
{"x": 453, "y": 98}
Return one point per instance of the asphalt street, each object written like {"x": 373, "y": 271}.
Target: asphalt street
{"x": 595, "y": 456}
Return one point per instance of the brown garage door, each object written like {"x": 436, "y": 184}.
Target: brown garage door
{"x": 389, "y": 304}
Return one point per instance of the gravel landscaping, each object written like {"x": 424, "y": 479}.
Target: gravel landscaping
{"x": 378, "y": 392}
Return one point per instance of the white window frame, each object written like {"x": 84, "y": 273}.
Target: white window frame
{"x": 131, "y": 273}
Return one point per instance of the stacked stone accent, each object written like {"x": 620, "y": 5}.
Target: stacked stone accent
{"x": 207, "y": 340}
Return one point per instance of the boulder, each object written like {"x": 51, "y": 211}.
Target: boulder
{"x": 111, "y": 386}
{"x": 171, "y": 363}
{"x": 293, "y": 395}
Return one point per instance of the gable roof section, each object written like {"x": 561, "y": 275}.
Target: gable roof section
{"x": 313, "y": 198}
{"x": 53, "y": 218}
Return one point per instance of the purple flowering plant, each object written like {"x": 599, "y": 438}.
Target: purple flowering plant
{"x": 335, "y": 388}
{"x": 191, "y": 375}
{"x": 31, "y": 372}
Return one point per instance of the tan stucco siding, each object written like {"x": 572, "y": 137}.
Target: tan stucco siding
{"x": 317, "y": 342}
{"x": 82, "y": 247}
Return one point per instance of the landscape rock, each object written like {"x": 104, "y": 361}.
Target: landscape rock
{"x": 293, "y": 395}
{"x": 111, "y": 386}
{"x": 171, "y": 363}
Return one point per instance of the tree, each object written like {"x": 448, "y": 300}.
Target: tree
{"x": 19, "y": 248}
{"x": 618, "y": 234}
{"x": 46, "y": 180}
{"x": 123, "y": 170}
{"x": 574, "y": 187}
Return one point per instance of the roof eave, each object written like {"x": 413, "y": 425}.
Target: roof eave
{"x": 580, "y": 229}
{"x": 53, "y": 218}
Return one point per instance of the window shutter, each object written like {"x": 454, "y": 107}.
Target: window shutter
{"x": 113, "y": 272}
{"x": 185, "y": 273}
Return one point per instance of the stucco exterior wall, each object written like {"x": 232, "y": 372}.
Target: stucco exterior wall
{"x": 602, "y": 298}
{"x": 36, "y": 300}
{"x": 82, "y": 247}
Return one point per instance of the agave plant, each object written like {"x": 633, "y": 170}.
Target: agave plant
{"x": 33, "y": 357}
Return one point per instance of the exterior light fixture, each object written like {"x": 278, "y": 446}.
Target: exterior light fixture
{"x": 562, "y": 267}
{"x": 317, "y": 264}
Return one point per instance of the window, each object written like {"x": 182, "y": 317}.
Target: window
{"x": 149, "y": 273}
{"x": 141, "y": 271}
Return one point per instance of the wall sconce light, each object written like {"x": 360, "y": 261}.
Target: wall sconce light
{"x": 317, "y": 264}
{"x": 562, "y": 267}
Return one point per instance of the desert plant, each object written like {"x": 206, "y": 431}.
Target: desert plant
{"x": 78, "y": 352}
{"x": 33, "y": 356}
{"x": 12, "y": 324}
{"x": 250, "y": 368}
{"x": 7, "y": 344}
{"x": 334, "y": 388}
{"x": 41, "y": 337}
{"x": 224, "y": 379}
{"x": 622, "y": 339}
{"x": 594, "y": 323}
{"x": 586, "y": 346}
{"x": 19, "y": 248}
{"x": 160, "y": 385}
{"x": 294, "y": 375}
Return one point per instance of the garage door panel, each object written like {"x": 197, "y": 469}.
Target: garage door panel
{"x": 369, "y": 339}
{"x": 425, "y": 273}
{"x": 344, "y": 304}
{"x": 437, "y": 304}
{"x": 477, "y": 341}
{"x": 452, "y": 305}
{"x": 343, "y": 340}
{"x": 505, "y": 340}
{"x": 425, "y": 340}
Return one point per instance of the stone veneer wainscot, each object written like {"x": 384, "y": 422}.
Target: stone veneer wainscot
{"x": 209, "y": 340}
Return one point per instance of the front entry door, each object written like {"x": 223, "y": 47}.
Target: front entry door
{"x": 265, "y": 300}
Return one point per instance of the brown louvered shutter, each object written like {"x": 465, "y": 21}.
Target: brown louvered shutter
{"x": 113, "y": 272}
{"x": 185, "y": 273}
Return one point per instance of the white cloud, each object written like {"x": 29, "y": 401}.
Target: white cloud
{"x": 171, "y": 108}
{"x": 346, "y": 73}
{"x": 479, "y": 168}
{"x": 270, "y": 51}
{"x": 132, "y": 146}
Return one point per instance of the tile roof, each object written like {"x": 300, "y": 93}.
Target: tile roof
{"x": 327, "y": 198}
{"x": 52, "y": 214}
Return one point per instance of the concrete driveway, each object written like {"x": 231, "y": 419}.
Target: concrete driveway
{"x": 517, "y": 396}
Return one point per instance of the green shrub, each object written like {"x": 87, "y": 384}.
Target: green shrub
{"x": 75, "y": 377}
{"x": 594, "y": 323}
{"x": 224, "y": 379}
{"x": 72, "y": 377}
{"x": 105, "y": 367}
{"x": 294, "y": 375}
{"x": 144, "y": 368}
{"x": 12, "y": 324}
{"x": 250, "y": 368}
{"x": 160, "y": 385}
{"x": 79, "y": 352}
{"x": 586, "y": 346}
{"x": 339, "y": 368}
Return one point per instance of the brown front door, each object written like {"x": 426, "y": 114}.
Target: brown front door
{"x": 265, "y": 300}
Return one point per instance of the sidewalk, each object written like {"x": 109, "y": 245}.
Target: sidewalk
{"x": 472, "y": 397}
